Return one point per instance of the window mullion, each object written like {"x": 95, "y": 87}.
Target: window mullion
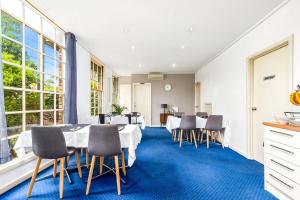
{"x": 41, "y": 76}
{"x": 23, "y": 74}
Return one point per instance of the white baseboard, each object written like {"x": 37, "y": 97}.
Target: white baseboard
{"x": 239, "y": 151}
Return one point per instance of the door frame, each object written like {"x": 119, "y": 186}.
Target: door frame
{"x": 289, "y": 41}
{"x": 133, "y": 97}
{"x": 199, "y": 91}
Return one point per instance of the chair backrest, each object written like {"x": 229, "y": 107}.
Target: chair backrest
{"x": 101, "y": 119}
{"x": 129, "y": 118}
{"x": 178, "y": 114}
{"x": 48, "y": 142}
{"x": 104, "y": 140}
{"x": 202, "y": 114}
{"x": 135, "y": 114}
{"x": 119, "y": 120}
{"x": 188, "y": 122}
{"x": 214, "y": 122}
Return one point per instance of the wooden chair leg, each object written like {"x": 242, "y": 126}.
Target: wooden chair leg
{"x": 202, "y": 133}
{"x": 117, "y": 174}
{"x": 54, "y": 168}
{"x": 87, "y": 160}
{"x": 90, "y": 175}
{"x": 78, "y": 163}
{"x": 81, "y": 151}
{"x": 207, "y": 138}
{"x": 68, "y": 158}
{"x": 123, "y": 164}
{"x": 191, "y": 136}
{"x": 179, "y": 132}
{"x": 180, "y": 137}
{"x": 194, "y": 136}
{"x": 61, "y": 178}
{"x": 101, "y": 165}
{"x": 221, "y": 139}
{"x": 35, "y": 172}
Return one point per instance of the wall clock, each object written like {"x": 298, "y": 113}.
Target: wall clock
{"x": 168, "y": 87}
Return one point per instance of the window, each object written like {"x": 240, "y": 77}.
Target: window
{"x": 33, "y": 73}
{"x": 96, "y": 88}
{"x": 115, "y": 92}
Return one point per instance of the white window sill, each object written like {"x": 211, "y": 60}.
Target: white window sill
{"x": 17, "y": 162}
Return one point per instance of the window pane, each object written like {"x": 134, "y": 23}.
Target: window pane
{"x": 13, "y": 6}
{"x": 48, "y": 101}
{"x": 33, "y": 101}
{"x": 48, "y": 118}
{"x": 11, "y": 144}
{"x": 32, "y": 119}
{"x": 49, "y": 65}
{"x": 49, "y": 83}
{"x": 32, "y": 80}
{"x": 11, "y": 27}
{"x": 13, "y": 100}
{"x": 14, "y": 124}
{"x": 59, "y": 101}
{"x": 12, "y": 76}
{"x": 92, "y": 99}
{"x": 11, "y": 51}
{"x": 48, "y": 29}
{"x": 32, "y": 18}
{"x": 59, "y": 85}
{"x": 59, "y": 117}
{"x": 48, "y": 47}
{"x": 31, "y": 38}
{"x": 32, "y": 59}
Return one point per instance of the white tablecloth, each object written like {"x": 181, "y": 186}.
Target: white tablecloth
{"x": 130, "y": 137}
{"x": 124, "y": 120}
{"x": 174, "y": 123}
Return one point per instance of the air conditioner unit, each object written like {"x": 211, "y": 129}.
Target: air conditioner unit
{"x": 155, "y": 76}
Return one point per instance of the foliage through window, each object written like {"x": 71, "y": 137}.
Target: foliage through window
{"x": 33, "y": 76}
{"x": 96, "y": 88}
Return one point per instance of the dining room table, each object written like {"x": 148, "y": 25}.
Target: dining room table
{"x": 78, "y": 135}
{"x": 174, "y": 123}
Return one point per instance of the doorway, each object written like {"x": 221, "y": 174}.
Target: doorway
{"x": 125, "y": 96}
{"x": 142, "y": 100}
{"x": 269, "y": 78}
{"x": 197, "y": 97}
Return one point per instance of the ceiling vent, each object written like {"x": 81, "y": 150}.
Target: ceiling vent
{"x": 155, "y": 76}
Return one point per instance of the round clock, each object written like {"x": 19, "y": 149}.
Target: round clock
{"x": 168, "y": 87}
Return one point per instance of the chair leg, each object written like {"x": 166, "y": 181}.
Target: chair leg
{"x": 61, "y": 178}
{"x": 117, "y": 174}
{"x": 221, "y": 139}
{"x": 202, "y": 136}
{"x": 36, "y": 170}
{"x": 81, "y": 151}
{"x": 54, "y": 168}
{"x": 123, "y": 163}
{"x": 191, "y": 136}
{"x": 207, "y": 138}
{"x": 198, "y": 135}
{"x": 78, "y": 163}
{"x": 179, "y": 132}
{"x": 194, "y": 136}
{"x": 87, "y": 160}
{"x": 181, "y": 137}
{"x": 90, "y": 175}
{"x": 101, "y": 165}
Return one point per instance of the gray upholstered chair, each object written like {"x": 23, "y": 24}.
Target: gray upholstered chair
{"x": 49, "y": 143}
{"x": 213, "y": 128}
{"x": 202, "y": 114}
{"x": 178, "y": 114}
{"x": 135, "y": 115}
{"x": 188, "y": 123}
{"x": 104, "y": 140}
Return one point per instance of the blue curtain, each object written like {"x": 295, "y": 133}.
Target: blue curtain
{"x": 70, "y": 106}
{"x": 4, "y": 148}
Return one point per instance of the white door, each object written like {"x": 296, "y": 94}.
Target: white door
{"x": 270, "y": 93}
{"x": 197, "y": 97}
{"x": 142, "y": 100}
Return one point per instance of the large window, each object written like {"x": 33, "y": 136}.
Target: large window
{"x": 96, "y": 88}
{"x": 33, "y": 70}
{"x": 115, "y": 92}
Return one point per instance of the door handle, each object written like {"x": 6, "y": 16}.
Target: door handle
{"x": 253, "y": 108}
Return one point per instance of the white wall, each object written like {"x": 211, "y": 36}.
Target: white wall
{"x": 83, "y": 87}
{"x": 223, "y": 80}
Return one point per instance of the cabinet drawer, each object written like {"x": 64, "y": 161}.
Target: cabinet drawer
{"x": 284, "y": 136}
{"x": 286, "y": 169}
{"x": 283, "y": 184}
{"x": 284, "y": 152}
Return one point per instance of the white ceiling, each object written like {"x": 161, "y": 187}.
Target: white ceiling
{"x": 156, "y": 28}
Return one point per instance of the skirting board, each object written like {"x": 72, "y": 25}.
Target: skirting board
{"x": 238, "y": 151}
{"x": 23, "y": 178}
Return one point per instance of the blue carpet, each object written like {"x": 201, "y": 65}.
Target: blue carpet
{"x": 165, "y": 171}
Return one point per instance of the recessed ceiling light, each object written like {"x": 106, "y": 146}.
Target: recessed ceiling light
{"x": 140, "y": 65}
{"x": 125, "y": 30}
{"x": 191, "y": 29}
{"x": 133, "y": 47}
{"x": 182, "y": 46}
{"x": 173, "y": 65}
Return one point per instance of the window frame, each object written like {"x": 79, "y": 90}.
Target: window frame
{"x": 55, "y": 76}
{"x": 96, "y": 109}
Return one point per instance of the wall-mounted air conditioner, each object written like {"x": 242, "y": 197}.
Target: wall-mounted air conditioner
{"x": 155, "y": 76}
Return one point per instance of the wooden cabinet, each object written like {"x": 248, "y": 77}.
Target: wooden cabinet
{"x": 163, "y": 118}
{"x": 282, "y": 160}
